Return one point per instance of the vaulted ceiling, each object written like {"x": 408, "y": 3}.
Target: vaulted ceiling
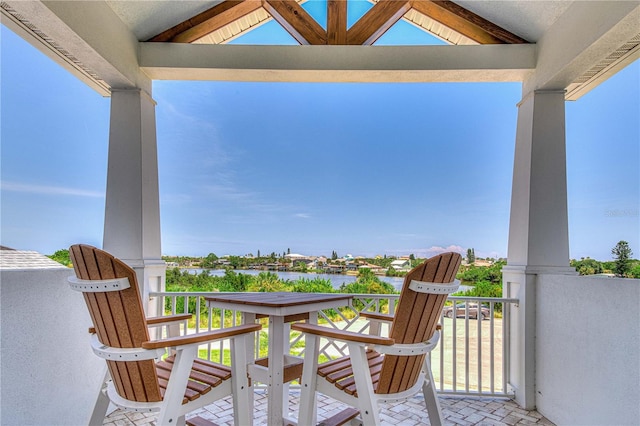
{"x": 570, "y": 45}
{"x": 211, "y": 25}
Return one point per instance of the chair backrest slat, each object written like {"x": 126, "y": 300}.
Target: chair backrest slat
{"x": 416, "y": 318}
{"x": 119, "y": 320}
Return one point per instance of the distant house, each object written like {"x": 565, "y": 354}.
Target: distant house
{"x": 401, "y": 264}
{"x": 295, "y": 257}
{"x": 378, "y": 270}
{"x": 334, "y": 269}
{"x": 352, "y": 266}
{"x": 223, "y": 261}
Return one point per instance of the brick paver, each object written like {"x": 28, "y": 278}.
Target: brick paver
{"x": 456, "y": 411}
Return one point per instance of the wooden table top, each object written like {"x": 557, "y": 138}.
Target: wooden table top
{"x": 276, "y": 299}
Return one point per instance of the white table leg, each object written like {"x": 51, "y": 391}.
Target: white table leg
{"x": 313, "y": 317}
{"x": 276, "y": 366}
{"x": 250, "y": 318}
{"x": 250, "y": 353}
{"x": 286, "y": 349}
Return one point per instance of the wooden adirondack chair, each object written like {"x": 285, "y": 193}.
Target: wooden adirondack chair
{"x": 140, "y": 379}
{"x": 384, "y": 369}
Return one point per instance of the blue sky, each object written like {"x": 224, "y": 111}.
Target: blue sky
{"x": 363, "y": 169}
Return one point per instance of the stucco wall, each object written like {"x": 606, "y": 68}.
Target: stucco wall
{"x": 588, "y": 350}
{"x": 48, "y": 373}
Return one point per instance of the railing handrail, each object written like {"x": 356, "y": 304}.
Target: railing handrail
{"x": 356, "y": 295}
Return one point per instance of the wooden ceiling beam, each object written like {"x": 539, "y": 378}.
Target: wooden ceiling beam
{"x": 208, "y": 21}
{"x": 377, "y": 21}
{"x": 465, "y": 22}
{"x": 296, "y": 21}
{"x": 337, "y": 22}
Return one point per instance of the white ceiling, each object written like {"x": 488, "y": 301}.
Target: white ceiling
{"x": 528, "y": 19}
{"x": 149, "y": 18}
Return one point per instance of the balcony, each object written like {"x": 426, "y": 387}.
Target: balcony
{"x": 569, "y": 345}
{"x": 587, "y": 328}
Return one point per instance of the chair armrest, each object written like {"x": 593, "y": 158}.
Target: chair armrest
{"x": 168, "y": 318}
{"x": 376, "y": 316}
{"x": 223, "y": 333}
{"x": 342, "y": 335}
{"x": 156, "y": 321}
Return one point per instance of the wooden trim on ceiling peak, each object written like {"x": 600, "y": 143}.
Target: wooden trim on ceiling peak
{"x": 336, "y": 22}
{"x": 208, "y": 21}
{"x": 377, "y": 21}
{"x": 465, "y": 22}
{"x": 304, "y": 28}
{"x": 296, "y": 21}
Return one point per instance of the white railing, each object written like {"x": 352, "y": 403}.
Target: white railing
{"x": 472, "y": 357}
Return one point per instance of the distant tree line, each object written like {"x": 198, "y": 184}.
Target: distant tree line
{"x": 62, "y": 256}
{"x": 622, "y": 265}
{"x": 212, "y": 261}
{"x": 179, "y": 280}
{"x": 485, "y": 281}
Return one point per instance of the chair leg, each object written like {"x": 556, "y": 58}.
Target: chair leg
{"x": 172, "y": 400}
{"x": 430, "y": 396}
{"x": 367, "y": 403}
{"x": 102, "y": 404}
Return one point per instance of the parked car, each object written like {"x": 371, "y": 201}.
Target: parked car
{"x": 461, "y": 311}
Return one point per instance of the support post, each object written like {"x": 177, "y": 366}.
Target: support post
{"x": 538, "y": 227}
{"x": 132, "y": 210}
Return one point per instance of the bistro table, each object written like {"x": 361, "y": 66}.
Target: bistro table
{"x": 281, "y": 308}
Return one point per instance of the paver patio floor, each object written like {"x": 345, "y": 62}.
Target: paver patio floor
{"x": 456, "y": 411}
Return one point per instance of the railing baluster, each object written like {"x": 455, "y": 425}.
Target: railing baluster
{"x": 466, "y": 346}
{"x": 209, "y": 327}
{"x": 197, "y": 314}
{"x": 506, "y": 313}
{"x": 492, "y": 347}
{"x": 441, "y": 349}
{"x": 454, "y": 350}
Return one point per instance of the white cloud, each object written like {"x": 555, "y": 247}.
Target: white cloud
{"x": 424, "y": 253}
{"x": 438, "y": 249}
{"x": 227, "y": 192}
{"x": 302, "y": 215}
{"x": 435, "y": 250}
{"x": 49, "y": 190}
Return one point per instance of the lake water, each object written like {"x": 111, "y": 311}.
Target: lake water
{"x": 336, "y": 279}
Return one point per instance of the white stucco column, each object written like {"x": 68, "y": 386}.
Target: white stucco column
{"x": 132, "y": 212}
{"x": 538, "y": 228}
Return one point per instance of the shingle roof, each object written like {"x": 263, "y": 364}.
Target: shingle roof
{"x": 20, "y": 259}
